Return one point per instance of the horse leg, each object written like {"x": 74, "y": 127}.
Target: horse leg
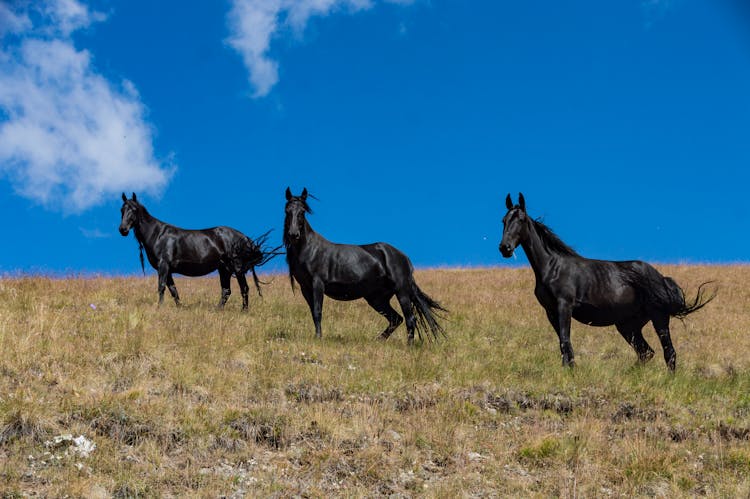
{"x": 314, "y": 298}
{"x": 661, "y": 325}
{"x": 225, "y": 278}
{"x": 560, "y": 320}
{"x": 173, "y": 289}
{"x": 317, "y": 309}
{"x": 383, "y": 307}
{"x": 163, "y": 276}
{"x": 408, "y": 310}
{"x": 244, "y": 288}
{"x": 631, "y": 331}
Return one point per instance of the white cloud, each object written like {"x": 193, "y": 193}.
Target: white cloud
{"x": 69, "y": 138}
{"x": 254, "y": 23}
{"x": 12, "y": 22}
{"x": 69, "y": 15}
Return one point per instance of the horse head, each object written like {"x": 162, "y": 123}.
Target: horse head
{"x": 129, "y": 213}
{"x": 294, "y": 221}
{"x": 515, "y": 226}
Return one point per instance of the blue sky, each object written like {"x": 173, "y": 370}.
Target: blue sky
{"x": 625, "y": 124}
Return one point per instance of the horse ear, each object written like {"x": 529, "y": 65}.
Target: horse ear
{"x": 508, "y": 202}
{"x": 521, "y": 202}
{"x": 124, "y": 197}
{"x": 134, "y": 198}
{"x": 288, "y": 194}
{"x": 304, "y": 194}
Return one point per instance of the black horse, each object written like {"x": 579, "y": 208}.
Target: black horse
{"x": 194, "y": 252}
{"x": 374, "y": 272}
{"x": 596, "y": 292}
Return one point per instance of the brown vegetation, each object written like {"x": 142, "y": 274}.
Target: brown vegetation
{"x": 198, "y": 402}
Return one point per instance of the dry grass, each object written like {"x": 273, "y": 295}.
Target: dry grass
{"x": 198, "y": 402}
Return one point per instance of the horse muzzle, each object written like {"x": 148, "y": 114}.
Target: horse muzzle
{"x": 506, "y": 250}
{"x": 124, "y": 231}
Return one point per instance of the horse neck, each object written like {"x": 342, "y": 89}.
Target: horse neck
{"x": 539, "y": 256}
{"x": 147, "y": 229}
{"x": 308, "y": 236}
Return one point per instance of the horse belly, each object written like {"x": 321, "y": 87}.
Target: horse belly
{"x": 343, "y": 292}
{"x": 360, "y": 276}
{"x": 601, "y": 316}
{"x": 194, "y": 269}
{"x": 609, "y": 303}
{"x": 201, "y": 257}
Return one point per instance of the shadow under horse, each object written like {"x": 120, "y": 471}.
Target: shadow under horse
{"x": 375, "y": 272}
{"x": 625, "y": 294}
{"x": 172, "y": 250}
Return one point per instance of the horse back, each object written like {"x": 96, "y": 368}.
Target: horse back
{"x": 218, "y": 239}
{"x": 605, "y": 277}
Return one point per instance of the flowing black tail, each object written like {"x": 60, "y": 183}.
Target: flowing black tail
{"x": 681, "y": 308}
{"x": 426, "y": 312}
{"x": 249, "y": 253}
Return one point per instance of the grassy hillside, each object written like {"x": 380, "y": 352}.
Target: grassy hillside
{"x": 194, "y": 401}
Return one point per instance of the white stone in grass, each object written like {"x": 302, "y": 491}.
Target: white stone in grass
{"x": 59, "y": 441}
{"x": 83, "y": 446}
{"x": 80, "y": 444}
{"x": 393, "y": 435}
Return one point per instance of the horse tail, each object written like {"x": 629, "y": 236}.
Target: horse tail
{"x": 250, "y": 253}
{"x": 426, "y": 312}
{"x": 257, "y": 282}
{"x": 664, "y": 293}
{"x": 676, "y": 303}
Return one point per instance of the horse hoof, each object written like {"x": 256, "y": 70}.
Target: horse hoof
{"x": 384, "y": 335}
{"x": 671, "y": 361}
{"x": 643, "y": 358}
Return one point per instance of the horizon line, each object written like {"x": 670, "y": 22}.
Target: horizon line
{"x": 85, "y": 274}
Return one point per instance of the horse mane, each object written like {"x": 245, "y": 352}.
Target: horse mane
{"x": 551, "y": 240}
{"x": 139, "y": 210}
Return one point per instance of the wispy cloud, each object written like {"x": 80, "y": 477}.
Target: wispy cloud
{"x": 94, "y": 233}
{"x": 254, "y": 23}
{"x": 654, "y": 10}
{"x": 69, "y": 138}
{"x": 12, "y": 22}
